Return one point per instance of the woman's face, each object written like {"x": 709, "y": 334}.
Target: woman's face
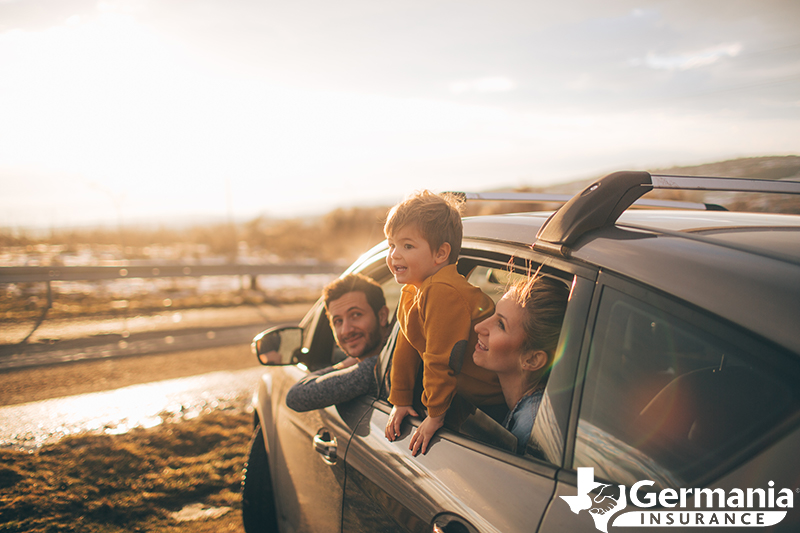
{"x": 500, "y": 338}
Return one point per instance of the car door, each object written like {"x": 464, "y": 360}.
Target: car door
{"x": 306, "y": 449}
{"x": 471, "y": 479}
{"x": 673, "y": 396}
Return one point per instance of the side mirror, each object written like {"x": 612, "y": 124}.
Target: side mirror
{"x": 278, "y": 346}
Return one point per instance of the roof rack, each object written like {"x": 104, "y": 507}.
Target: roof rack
{"x": 564, "y": 198}
{"x": 601, "y": 203}
{"x": 707, "y": 183}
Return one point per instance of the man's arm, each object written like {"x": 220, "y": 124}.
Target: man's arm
{"x": 330, "y": 386}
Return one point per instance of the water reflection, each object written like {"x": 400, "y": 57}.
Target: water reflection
{"x": 29, "y": 426}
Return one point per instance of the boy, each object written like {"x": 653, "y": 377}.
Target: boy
{"x": 437, "y": 314}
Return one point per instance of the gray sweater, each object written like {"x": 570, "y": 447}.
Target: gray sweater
{"x": 330, "y": 386}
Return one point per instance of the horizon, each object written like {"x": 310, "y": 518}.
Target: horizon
{"x": 134, "y": 110}
{"x": 733, "y": 168}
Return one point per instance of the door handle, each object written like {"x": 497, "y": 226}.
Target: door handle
{"x": 325, "y": 445}
{"x": 451, "y": 523}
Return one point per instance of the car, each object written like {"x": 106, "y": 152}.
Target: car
{"x": 674, "y": 399}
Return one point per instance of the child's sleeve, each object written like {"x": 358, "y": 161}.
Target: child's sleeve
{"x": 447, "y": 324}
{"x": 405, "y": 365}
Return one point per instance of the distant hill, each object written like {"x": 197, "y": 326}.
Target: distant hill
{"x": 345, "y": 233}
{"x": 765, "y": 168}
{"x": 768, "y": 167}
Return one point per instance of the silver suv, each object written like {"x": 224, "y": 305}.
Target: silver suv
{"x": 673, "y": 402}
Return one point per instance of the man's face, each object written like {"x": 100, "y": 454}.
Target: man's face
{"x": 355, "y": 326}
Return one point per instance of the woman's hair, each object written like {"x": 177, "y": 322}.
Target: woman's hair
{"x": 543, "y": 301}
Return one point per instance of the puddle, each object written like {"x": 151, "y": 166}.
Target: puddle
{"x": 32, "y": 425}
{"x": 198, "y": 511}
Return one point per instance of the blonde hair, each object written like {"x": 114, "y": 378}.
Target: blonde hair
{"x": 437, "y": 217}
{"x": 544, "y": 302}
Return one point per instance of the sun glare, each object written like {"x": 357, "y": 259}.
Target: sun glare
{"x": 104, "y": 108}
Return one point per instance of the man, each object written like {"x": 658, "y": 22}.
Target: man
{"x": 359, "y": 318}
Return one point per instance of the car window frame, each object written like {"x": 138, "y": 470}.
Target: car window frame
{"x": 501, "y": 256}
{"x": 316, "y": 331}
{"x": 714, "y": 325}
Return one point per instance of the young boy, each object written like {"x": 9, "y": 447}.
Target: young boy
{"x": 437, "y": 314}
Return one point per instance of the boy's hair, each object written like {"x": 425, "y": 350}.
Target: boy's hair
{"x": 352, "y": 283}
{"x": 437, "y": 217}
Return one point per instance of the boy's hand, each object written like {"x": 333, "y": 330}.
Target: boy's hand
{"x": 424, "y": 433}
{"x": 396, "y": 419}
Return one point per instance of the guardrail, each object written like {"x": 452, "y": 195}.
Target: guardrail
{"x": 48, "y": 274}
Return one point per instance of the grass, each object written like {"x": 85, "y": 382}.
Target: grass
{"x": 130, "y": 482}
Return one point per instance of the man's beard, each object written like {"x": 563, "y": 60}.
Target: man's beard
{"x": 373, "y": 341}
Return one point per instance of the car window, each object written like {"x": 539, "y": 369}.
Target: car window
{"x": 391, "y": 291}
{"x": 493, "y": 281}
{"x": 484, "y": 424}
{"x": 669, "y": 397}
{"x": 318, "y": 339}
{"x": 379, "y": 271}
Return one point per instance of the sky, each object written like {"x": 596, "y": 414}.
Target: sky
{"x": 133, "y": 111}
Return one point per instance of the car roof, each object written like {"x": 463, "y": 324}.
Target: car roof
{"x": 766, "y": 234}
{"x": 744, "y": 267}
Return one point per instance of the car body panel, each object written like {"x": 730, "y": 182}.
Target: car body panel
{"x": 770, "y": 464}
{"x": 682, "y": 265}
{"x": 683, "y": 268}
{"x": 716, "y": 268}
{"x": 388, "y": 489}
{"x": 312, "y": 490}
{"x": 678, "y": 220}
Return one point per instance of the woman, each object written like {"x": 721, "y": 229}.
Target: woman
{"x": 519, "y": 342}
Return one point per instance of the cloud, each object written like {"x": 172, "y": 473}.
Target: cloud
{"x": 35, "y": 15}
{"x": 700, "y": 58}
{"x": 495, "y": 84}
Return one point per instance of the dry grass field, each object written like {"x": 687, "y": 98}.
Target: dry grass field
{"x": 138, "y": 481}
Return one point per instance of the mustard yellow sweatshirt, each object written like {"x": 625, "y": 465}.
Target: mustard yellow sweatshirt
{"x": 437, "y": 324}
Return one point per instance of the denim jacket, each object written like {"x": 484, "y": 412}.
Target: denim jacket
{"x": 520, "y": 419}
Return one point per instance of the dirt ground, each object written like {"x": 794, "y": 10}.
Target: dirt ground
{"x": 67, "y": 379}
{"x": 43, "y": 383}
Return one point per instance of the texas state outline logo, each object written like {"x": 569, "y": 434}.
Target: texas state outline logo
{"x": 679, "y": 507}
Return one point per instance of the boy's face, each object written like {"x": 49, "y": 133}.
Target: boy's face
{"x": 411, "y": 259}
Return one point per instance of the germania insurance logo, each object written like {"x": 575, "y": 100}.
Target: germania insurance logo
{"x": 737, "y": 508}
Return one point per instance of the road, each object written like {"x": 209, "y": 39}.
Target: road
{"x": 96, "y": 379}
